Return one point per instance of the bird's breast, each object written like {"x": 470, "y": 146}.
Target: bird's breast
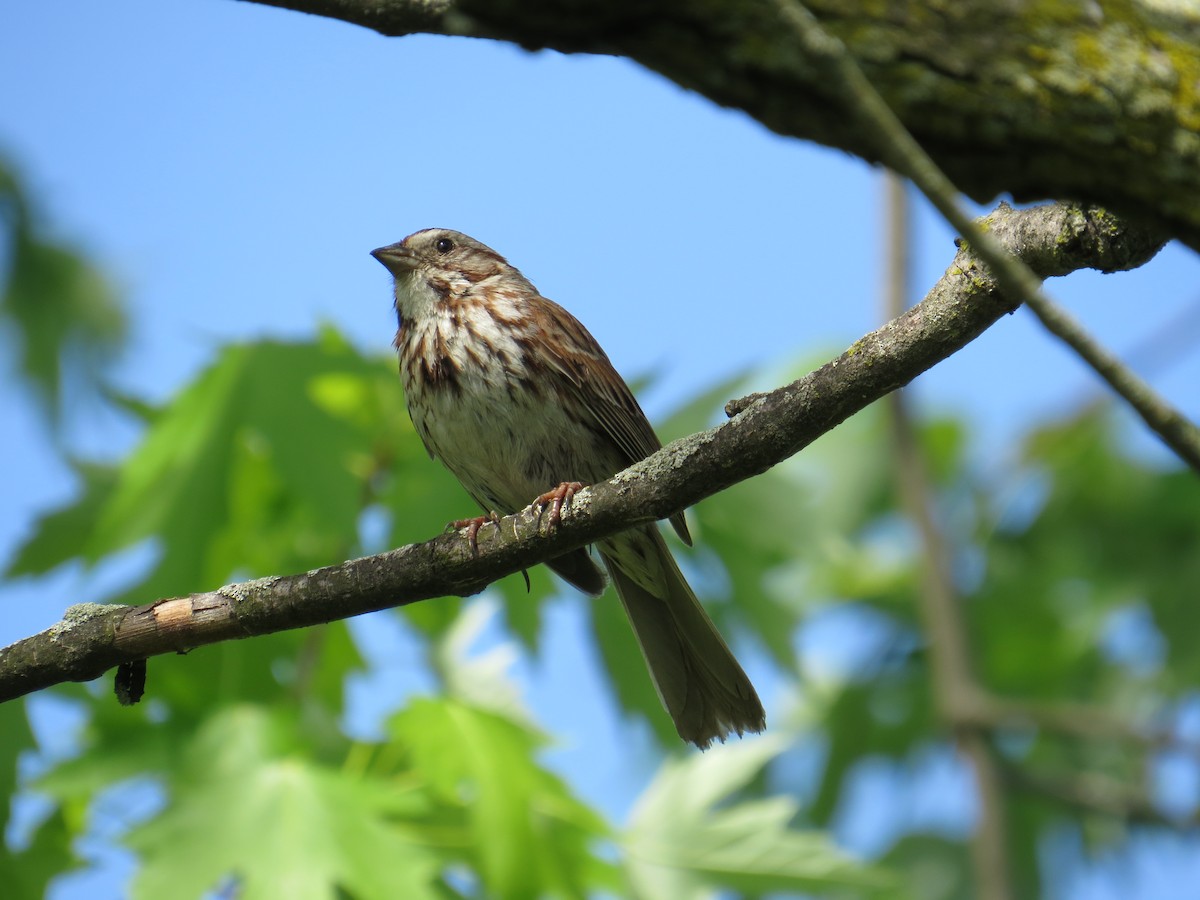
{"x": 485, "y": 410}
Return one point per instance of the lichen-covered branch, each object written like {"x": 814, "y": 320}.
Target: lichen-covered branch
{"x": 1092, "y": 102}
{"x": 1052, "y": 240}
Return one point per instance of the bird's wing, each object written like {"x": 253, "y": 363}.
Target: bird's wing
{"x": 587, "y": 372}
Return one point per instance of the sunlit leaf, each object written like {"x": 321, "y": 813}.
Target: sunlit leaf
{"x": 478, "y": 678}
{"x": 248, "y": 806}
{"x": 64, "y": 534}
{"x": 241, "y": 472}
{"x": 528, "y": 835}
{"x": 688, "y": 835}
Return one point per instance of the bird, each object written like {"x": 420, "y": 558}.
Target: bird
{"x": 515, "y": 397}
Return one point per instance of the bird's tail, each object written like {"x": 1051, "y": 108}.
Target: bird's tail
{"x": 699, "y": 681}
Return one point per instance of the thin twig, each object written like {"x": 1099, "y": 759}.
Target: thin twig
{"x": 1093, "y": 792}
{"x": 1171, "y": 340}
{"x": 902, "y": 153}
{"x": 900, "y": 150}
{"x": 1070, "y": 720}
{"x": 1177, "y": 432}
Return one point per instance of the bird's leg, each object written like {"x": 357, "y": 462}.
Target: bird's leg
{"x": 473, "y": 526}
{"x": 556, "y": 500}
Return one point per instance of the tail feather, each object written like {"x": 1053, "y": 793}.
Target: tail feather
{"x": 701, "y": 684}
{"x": 579, "y": 569}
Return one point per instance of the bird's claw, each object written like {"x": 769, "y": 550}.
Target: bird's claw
{"x": 556, "y": 499}
{"x": 473, "y": 526}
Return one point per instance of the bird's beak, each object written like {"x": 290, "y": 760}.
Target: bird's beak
{"x": 396, "y": 258}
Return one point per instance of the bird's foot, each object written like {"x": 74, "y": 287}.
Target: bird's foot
{"x": 556, "y": 500}
{"x": 473, "y": 526}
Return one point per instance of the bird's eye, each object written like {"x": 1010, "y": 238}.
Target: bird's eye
{"x": 444, "y": 245}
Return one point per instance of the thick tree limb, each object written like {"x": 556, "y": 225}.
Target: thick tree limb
{"x": 1052, "y": 240}
{"x": 1036, "y": 99}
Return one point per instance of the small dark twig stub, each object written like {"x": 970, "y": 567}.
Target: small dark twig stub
{"x": 130, "y": 682}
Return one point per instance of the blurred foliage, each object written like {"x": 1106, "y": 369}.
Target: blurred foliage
{"x": 1075, "y": 565}
{"x": 61, "y": 311}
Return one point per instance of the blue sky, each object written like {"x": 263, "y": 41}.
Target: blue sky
{"x": 231, "y": 166}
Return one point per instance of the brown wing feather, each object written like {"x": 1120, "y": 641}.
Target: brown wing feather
{"x": 589, "y": 374}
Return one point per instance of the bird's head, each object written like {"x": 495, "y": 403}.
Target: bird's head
{"x": 438, "y": 266}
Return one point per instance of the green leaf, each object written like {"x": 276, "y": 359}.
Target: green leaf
{"x": 59, "y": 535}
{"x": 26, "y": 873}
{"x": 688, "y": 836}
{"x": 15, "y": 739}
{"x": 527, "y": 835}
{"x": 479, "y": 679}
{"x": 218, "y": 465}
{"x": 940, "y": 869}
{"x": 887, "y": 715}
{"x": 66, "y": 315}
{"x": 522, "y": 606}
{"x": 259, "y": 466}
{"x": 248, "y": 804}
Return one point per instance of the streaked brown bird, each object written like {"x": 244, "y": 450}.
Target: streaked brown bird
{"x": 517, "y": 399}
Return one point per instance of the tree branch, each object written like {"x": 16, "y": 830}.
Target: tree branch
{"x": 394, "y": 18}
{"x": 1070, "y": 720}
{"x": 1096, "y": 793}
{"x": 1004, "y": 97}
{"x": 1176, "y": 431}
{"x": 900, "y": 150}
{"x": 1053, "y": 240}
{"x": 904, "y": 154}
